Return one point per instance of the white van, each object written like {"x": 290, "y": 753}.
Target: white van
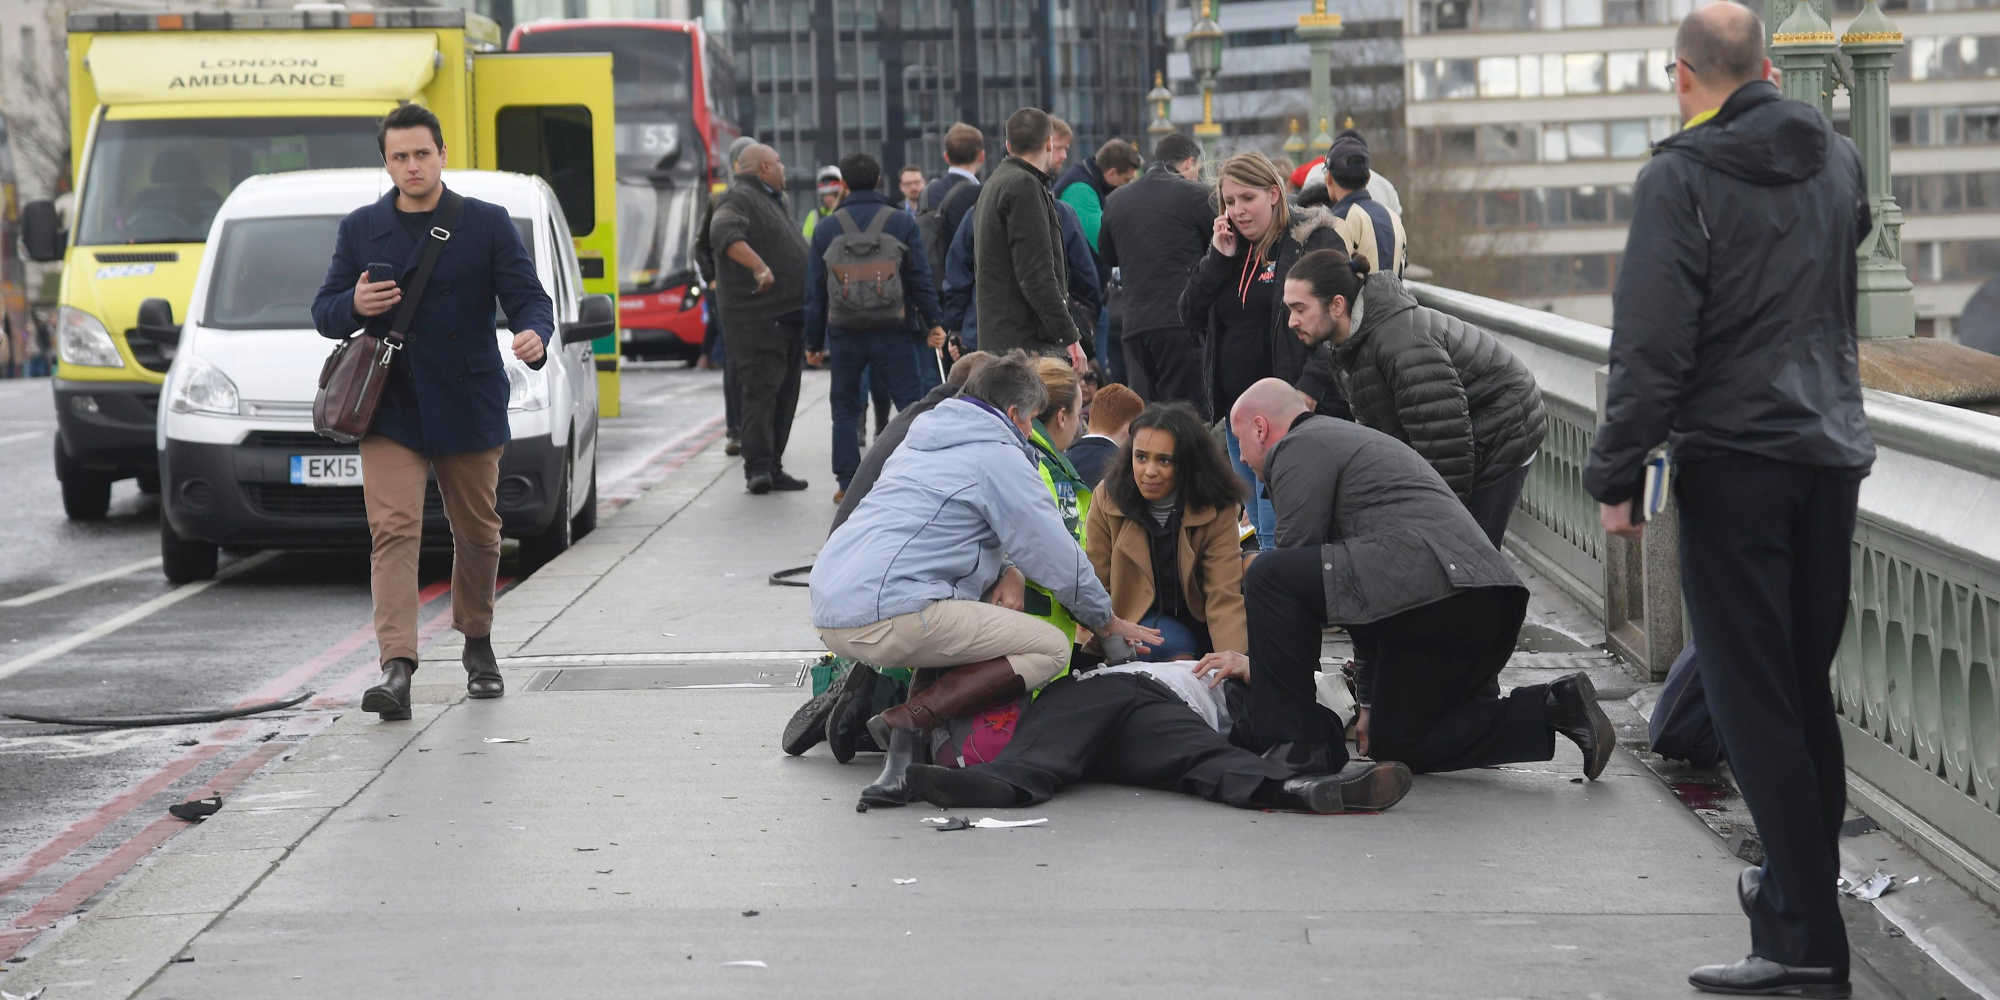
{"x": 240, "y": 465}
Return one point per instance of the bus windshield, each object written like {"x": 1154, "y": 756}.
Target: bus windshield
{"x": 161, "y": 180}
{"x": 657, "y": 223}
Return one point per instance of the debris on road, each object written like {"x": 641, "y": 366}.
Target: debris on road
{"x": 194, "y": 810}
{"x": 1871, "y": 888}
{"x": 751, "y": 913}
{"x": 945, "y": 824}
{"x": 171, "y": 719}
{"x": 746, "y": 964}
{"x": 906, "y": 881}
{"x": 505, "y": 739}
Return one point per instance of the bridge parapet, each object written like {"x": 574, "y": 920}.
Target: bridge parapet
{"x": 1917, "y": 679}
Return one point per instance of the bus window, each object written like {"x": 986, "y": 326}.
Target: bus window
{"x": 554, "y": 143}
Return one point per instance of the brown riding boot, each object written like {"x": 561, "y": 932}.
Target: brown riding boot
{"x": 956, "y": 692}
{"x": 935, "y": 696}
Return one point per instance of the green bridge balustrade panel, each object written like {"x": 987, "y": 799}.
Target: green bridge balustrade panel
{"x": 1917, "y": 678}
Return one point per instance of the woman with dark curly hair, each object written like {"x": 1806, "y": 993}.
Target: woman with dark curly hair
{"x": 1163, "y": 535}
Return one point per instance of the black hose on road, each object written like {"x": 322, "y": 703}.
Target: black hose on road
{"x": 788, "y": 577}
{"x": 175, "y": 719}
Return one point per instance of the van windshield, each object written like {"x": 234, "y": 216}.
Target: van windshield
{"x": 265, "y": 271}
{"x": 160, "y": 180}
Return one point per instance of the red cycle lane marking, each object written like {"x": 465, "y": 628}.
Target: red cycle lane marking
{"x": 213, "y": 742}
{"x": 662, "y": 463}
{"x": 343, "y": 691}
{"x": 78, "y": 890}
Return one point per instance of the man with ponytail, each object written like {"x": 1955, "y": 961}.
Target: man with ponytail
{"x": 1444, "y": 387}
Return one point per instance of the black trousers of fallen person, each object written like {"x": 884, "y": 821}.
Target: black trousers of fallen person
{"x": 1765, "y": 564}
{"x": 1431, "y": 667}
{"x": 1127, "y": 730}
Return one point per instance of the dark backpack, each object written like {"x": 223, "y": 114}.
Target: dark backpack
{"x": 864, "y": 274}
{"x": 931, "y": 221}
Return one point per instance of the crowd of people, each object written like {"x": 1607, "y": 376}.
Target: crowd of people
{"x": 1157, "y": 435}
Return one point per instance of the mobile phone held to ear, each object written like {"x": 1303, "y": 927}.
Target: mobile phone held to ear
{"x": 383, "y": 272}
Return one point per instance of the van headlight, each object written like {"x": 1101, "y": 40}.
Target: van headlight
{"x": 82, "y": 340}
{"x": 527, "y": 389}
{"x": 200, "y": 387}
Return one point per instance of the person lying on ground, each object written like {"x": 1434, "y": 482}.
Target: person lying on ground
{"x": 1155, "y": 725}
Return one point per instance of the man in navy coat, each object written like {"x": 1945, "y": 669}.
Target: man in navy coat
{"x": 445, "y": 407}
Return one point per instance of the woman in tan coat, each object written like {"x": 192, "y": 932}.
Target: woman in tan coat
{"x": 1162, "y": 535}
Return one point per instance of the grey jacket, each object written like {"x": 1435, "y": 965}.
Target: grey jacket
{"x": 749, "y": 212}
{"x": 1392, "y": 536}
{"x": 1441, "y": 385}
{"x": 1020, "y": 277}
{"x": 961, "y": 498}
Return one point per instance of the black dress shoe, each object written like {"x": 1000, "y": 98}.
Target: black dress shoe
{"x": 758, "y": 484}
{"x": 808, "y": 725}
{"x": 1573, "y": 712}
{"x": 786, "y": 482}
{"x": 482, "y": 671}
{"x": 733, "y": 447}
{"x": 1747, "y": 885}
{"x": 1361, "y": 786}
{"x": 956, "y": 787}
{"x": 391, "y": 698}
{"x": 1761, "y": 977}
{"x": 853, "y": 703}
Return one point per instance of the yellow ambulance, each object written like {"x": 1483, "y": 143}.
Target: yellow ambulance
{"x": 170, "y": 111}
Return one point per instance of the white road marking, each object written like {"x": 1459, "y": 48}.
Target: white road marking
{"x": 138, "y": 614}
{"x": 60, "y": 589}
{"x": 23, "y": 436}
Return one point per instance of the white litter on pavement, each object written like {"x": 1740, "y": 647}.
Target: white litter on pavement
{"x": 745, "y": 964}
{"x": 1869, "y": 889}
{"x": 906, "y": 881}
{"x": 989, "y": 823}
{"x": 505, "y": 739}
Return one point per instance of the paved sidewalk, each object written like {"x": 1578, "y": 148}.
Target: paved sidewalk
{"x": 648, "y": 833}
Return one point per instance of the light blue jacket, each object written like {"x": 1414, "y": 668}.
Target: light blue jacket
{"x": 956, "y": 503}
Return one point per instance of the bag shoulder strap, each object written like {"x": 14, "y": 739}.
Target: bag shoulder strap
{"x": 881, "y": 219}
{"x": 848, "y": 227}
{"x": 450, "y": 207}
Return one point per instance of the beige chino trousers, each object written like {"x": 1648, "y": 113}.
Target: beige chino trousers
{"x": 392, "y": 485}
{"x": 955, "y": 633}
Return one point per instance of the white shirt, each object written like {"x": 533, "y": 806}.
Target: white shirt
{"x": 1179, "y": 677}
{"x": 962, "y": 172}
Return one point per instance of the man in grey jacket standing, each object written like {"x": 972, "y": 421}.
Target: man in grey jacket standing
{"x": 928, "y": 572}
{"x": 1019, "y": 272}
{"x": 762, "y": 265}
{"x": 1370, "y": 538}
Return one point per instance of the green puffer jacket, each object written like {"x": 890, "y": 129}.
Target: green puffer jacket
{"x": 1444, "y": 387}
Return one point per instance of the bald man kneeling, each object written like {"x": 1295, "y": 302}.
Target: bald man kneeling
{"x": 1370, "y": 537}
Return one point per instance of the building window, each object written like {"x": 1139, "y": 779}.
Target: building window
{"x": 1628, "y": 139}
{"x": 1498, "y": 77}
{"x": 1509, "y": 143}
{"x": 1625, "y": 72}
{"x": 1583, "y": 72}
{"x": 1586, "y": 141}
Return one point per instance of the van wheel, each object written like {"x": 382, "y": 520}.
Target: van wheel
{"x": 185, "y": 560}
{"x": 537, "y": 550}
{"x": 586, "y": 519}
{"x": 86, "y": 494}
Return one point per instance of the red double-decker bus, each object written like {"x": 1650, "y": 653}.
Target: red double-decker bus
{"x": 672, "y": 87}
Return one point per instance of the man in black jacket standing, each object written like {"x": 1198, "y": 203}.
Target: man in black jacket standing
{"x": 1020, "y": 276}
{"x": 762, "y": 270}
{"x": 1154, "y": 231}
{"x": 1734, "y": 339}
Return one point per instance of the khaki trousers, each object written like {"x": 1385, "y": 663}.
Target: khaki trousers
{"x": 392, "y": 485}
{"x": 955, "y": 633}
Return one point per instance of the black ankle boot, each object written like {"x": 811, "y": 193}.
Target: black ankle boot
{"x": 482, "y": 671}
{"x": 892, "y": 786}
{"x": 1573, "y": 712}
{"x": 391, "y": 698}
{"x": 952, "y": 787}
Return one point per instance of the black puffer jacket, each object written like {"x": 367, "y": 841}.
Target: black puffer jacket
{"x": 1310, "y": 229}
{"x": 1444, "y": 387}
{"x": 1733, "y": 323}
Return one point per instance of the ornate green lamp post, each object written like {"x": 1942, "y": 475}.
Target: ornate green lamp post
{"x": 1319, "y": 29}
{"x": 1888, "y": 306}
{"x": 1162, "y": 99}
{"x": 1803, "y": 48}
{"x": 1204, "y": 49}
{"x": 1295, "y": 145}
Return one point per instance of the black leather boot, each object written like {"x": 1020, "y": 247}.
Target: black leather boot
{"x": 1573, "y": 712}
{"x": 853, "y": 703}
{"x": 482, "y": 671}
{"x": 892, "y": 786}
{"x": 391, "y": 698}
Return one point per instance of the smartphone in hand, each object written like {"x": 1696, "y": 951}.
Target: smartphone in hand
{"x": 383, "y": 272}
